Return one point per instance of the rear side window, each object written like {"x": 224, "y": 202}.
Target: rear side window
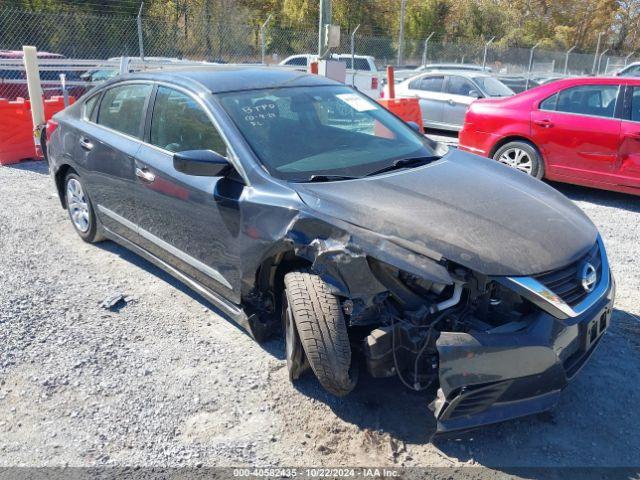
{"x": 360, "y": 63}
{"x": 596, "y": 100}
{"x": 460, "y": 86}
{"x": 298, "y": 61}
{"x": 179, "y": 123}
{"x": 549, "y": 103}
{"x": 428, "y": 84}
{"x": 122, "y": 108}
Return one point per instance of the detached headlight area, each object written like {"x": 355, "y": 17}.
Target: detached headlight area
{"x": 416, "y": 311}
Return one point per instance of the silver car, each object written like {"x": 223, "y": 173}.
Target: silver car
{"x": 445, "y": 96}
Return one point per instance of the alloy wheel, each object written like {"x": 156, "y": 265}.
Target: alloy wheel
{"x": 517, "y": 158}
{"x": 78, "y": 205}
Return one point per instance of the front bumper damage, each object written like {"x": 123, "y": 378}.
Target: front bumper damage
{"x": 490, "y": 377}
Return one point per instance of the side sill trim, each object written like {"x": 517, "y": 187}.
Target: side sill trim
{"x": 230, "y": 308}
{"x": 194, "y": 262}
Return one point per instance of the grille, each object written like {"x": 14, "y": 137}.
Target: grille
{"x": 566, "y": 282}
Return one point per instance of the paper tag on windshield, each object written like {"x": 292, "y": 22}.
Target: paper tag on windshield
{"x": 356, "y": 102}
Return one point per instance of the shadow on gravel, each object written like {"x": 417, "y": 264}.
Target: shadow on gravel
{"x": 604, "y": 198}
{"x": 36, "y": 166}
{"x": 140, "y": 262}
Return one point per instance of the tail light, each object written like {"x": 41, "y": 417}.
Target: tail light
{"x": 374, "y": 83}
{"x": 51, "y": 127}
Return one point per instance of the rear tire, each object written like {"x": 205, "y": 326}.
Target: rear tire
{"x": 522, "y": 156}
{"x": 322, "y": 331}
{"x": 80, "y": 209}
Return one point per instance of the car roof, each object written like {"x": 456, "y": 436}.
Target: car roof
{"x": 222, "y": 79}
{"x": 462, "y": 73}
{"x": 595, "y": 80}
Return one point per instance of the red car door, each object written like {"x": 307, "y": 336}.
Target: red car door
{"x": 627, "y": 169}
{"x": 578, "y": 133}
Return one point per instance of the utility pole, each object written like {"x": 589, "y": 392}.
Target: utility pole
{"x": 484, "y": 56}
{"x": 530, "y": 64}
{"x": 140, "y": 39}
{"x": 325, "y": 19}
{"x": 566, "y": 58}
{"x": 403, "y": 11}
{"x": 595, "y": 57}
{"x": 426, "y": 48}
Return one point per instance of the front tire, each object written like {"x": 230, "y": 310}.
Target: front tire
{"x": 322, "y": 331}
{"x": 522, "y": 156}
{"x": 80, "y": 209}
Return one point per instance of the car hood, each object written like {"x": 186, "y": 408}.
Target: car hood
{"x": 468, "y": 209}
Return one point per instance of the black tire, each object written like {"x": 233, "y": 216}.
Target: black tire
{"x": 322, "y": 331}
{"x": 92, "y": 233}
{"x": 537, "y": 164}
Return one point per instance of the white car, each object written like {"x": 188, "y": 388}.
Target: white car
{"x": 445, "y": 96}
{"x": 364, "y": 76}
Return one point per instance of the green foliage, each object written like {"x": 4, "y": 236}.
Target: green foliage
{"x": 557, "y": 24}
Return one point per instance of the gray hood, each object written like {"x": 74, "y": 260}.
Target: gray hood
{"x": 471, "y": 210}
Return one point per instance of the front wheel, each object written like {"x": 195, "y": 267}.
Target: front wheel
{"x": 522, "y": 156}
{"x": 313, "y": 316}
{"x": 80, "y": 209}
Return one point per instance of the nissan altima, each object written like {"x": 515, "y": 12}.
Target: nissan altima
{"x": 301, "y": 207}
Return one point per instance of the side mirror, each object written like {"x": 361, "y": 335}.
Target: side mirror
{"x": 200, "y": 163}
{"x": 474, "y": 94}
{"x": 414, "y": 126}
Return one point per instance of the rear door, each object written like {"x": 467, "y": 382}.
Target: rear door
{"x": 458, "y": 100}
{"x": 429, "y": 90}
{"x": 107, "y": 147}
{"x": 190, "y": 222}
{"x": 627, "y": 168}
{"x": 578, "y": 131}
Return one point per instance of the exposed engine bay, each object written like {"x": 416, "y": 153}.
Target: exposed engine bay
{"x": 408, "y": 319}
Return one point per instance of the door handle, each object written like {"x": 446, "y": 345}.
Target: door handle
{"x": 86, "y": 144}
{"x": 145, "y": 175}
{"x": 544, "y": 123}
{"x": 451, "y": 102}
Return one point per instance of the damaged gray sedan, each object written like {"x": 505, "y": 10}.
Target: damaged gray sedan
{"x": 297, "y": 205}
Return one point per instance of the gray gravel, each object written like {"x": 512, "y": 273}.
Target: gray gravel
{"x": 166, "y": 381}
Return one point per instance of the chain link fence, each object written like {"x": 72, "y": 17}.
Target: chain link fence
{"x": 205, "y": 38}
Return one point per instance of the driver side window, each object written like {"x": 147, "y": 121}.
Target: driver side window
{"x": 179, "y": 123}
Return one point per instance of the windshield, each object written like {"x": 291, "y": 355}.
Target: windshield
{"x": 302, "y": 132}
{"x": 493, "y": 87}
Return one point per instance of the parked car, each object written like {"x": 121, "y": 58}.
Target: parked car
{"x": 517, "y": 83}
{"x": 401, "y": 74}
{"x": 445, "y": 96}
{"x": 631, "y": 70}
{"x": 290, "y": 199}
{"x": 577, "y": 130}
{"x": 363, "y": 77}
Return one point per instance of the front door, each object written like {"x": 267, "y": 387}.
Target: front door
{"x": 627, "y": 170}
{"x": 107, "y": 146}
{"x": 578, "y": 132}
{"x": 190, "y": 222}
{"x": 458, "y": 89}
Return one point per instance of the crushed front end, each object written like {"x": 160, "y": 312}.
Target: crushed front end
{"x": 496, "y": 347}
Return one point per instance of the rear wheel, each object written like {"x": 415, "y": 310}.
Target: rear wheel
{"x": 319, "y": 325}
{"x": 522, "y": 156}
{"x": 80, "y": 209}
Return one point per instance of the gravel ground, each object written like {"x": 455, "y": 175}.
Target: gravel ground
{"x": 166, "y": 381}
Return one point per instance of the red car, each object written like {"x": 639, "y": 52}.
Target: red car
{"x": 579, "y": 130}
